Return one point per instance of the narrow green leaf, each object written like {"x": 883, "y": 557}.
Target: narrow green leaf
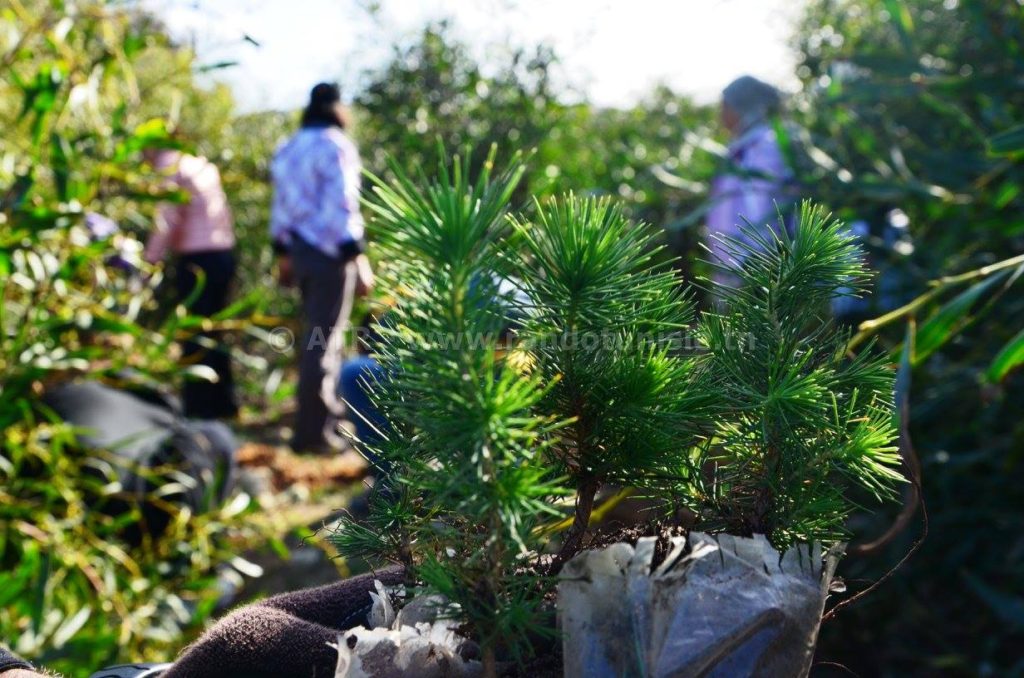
{"x": 216, "y": 66}
{"x": 1006, "y": 194}
{"x": 1009, "y": 609}
{"x": 904, "y": 370}
{"x": 900, "y": 14}
{"x": 1009, "y": 357}
{"x": 1008, "y": 142}
{"x": 942, "y": 326}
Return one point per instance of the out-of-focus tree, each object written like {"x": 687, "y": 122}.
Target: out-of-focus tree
{"x": 433, "y": 88}
{"x": 635, "y": 155}
{"x": 901, "y": 103}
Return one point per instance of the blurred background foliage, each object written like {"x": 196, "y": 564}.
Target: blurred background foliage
{"x": 79, "y": 91}
{"x": 908, "y": 118}
{"x": 917, "y": 106}
{"x": 433, "y": 89}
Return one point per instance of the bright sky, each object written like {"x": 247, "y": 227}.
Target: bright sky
{"x": 612, "y": 50}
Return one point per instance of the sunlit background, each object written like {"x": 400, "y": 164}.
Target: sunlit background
{"x": 612, "y": 52}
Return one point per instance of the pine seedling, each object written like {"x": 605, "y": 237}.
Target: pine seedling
{"x": 803, "y": 421}
{"x": 761, "y": 432}
{"x": 607, "y": 324}
{"x": 466, "y": 443}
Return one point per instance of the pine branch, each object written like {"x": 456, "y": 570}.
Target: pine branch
{"x": 805, "y": 420}
{"x": 600, "y": 315}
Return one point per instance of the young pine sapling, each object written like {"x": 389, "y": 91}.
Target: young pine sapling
{"x": 469, "y": 478}
{"x": 762, "y": 430}
{"x": 606, "y": 322}
{"x": 803, "y": 421}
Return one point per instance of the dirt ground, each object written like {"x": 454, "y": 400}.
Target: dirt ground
{"x": 302, "y": 495}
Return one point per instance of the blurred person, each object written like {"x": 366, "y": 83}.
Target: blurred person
{"x": 754, "y": 186}
{"x": 317, "y": 231}
{"x": 355, "y": 388}
{"x": 200, "y": 233}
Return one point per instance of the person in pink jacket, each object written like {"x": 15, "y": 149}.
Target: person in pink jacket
{"x": 200, "y": 234}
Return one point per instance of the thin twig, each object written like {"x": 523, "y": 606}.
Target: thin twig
{"x": 939, "y": 285}
{"x": 837, "y": 665}
{"x": 913, "y": 549}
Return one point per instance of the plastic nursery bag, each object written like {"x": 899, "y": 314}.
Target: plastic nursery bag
{"x": 730, "y": 607}
{"x": 413, "y": 642}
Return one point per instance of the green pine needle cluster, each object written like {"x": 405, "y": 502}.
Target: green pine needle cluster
{"x": 468, "y": 439}
{"x": 751, "y": 417}
{"x": 802, "y": 420}
{"x": 605, "y": 323}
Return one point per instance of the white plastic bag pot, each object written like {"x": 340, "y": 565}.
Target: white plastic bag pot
{"x": 727, "y": 607}
{"x": 412, "y": 642}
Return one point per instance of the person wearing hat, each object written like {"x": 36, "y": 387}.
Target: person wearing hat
{"x": 755, "y": 184}
{"x": 317, "y": 231}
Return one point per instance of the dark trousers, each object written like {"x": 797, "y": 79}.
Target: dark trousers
{"x": 320, "y": 279}
{"x": 203, "y": 399}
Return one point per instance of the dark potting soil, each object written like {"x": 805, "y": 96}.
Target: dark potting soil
{"x": 547, "y": 665}
{"x": 630, "y": 534}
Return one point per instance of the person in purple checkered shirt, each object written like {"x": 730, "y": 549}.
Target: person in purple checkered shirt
{"x": 318, "y": 233}
{"x": 757, "y": 180}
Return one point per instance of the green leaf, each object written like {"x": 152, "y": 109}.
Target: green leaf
{"x": 900, "y": 13}
{"x": 151, "y": 134}
{"x": 133, "y": 43}
{"x": 904, "y": 370}
{"x": 154, "y": 128}
{"x": 1007, "y": 192}
{"x": 60, "y": 152}
{"x": 1009, "y": 357}
{"x": 1008, "y": 142}
{"x": 216, "y": 66}
{"x": 13, "y": 586}
{"x": 942, "y": 326}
